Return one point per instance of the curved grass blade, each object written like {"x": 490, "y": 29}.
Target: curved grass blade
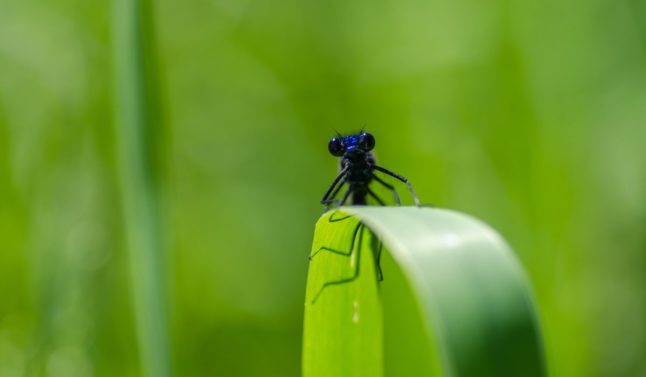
{"x": 342, "y": 308}
{"x": 453, "y": 302}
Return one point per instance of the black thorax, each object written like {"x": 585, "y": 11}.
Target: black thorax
{"x": 359, "y": 175}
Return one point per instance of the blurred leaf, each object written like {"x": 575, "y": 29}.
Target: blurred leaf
{"x": 453, "y": 302}
{"x": 138, "y": 125}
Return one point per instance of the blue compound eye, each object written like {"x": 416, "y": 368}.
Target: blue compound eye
{"x": 336, "y": 147}
{"x": 366, "y": 141}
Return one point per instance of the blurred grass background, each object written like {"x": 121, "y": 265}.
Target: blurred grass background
{"x": 530, "y": 116}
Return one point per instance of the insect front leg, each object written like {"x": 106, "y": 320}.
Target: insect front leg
{"x": 330, "y": 196}
{"x": 401, "y": 178}
{"x": 339, "y": 203}
{"x": 333, "y": 186}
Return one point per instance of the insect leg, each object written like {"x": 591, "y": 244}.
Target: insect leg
{"x": 379, "y": 247}
{"x": 333, "y": 219}
{"x": 401, "y": 178}
{"x": 378, "y": 199}
{"x": 388, "y": 186}
{"x": 340, "y": 252}
{"x": 333, "y": 185}
{"x": 337, "y": 202}
{"x": 331, "y": 196}
{"x": 355, "y": 275}
{"x": 346, "y": 196}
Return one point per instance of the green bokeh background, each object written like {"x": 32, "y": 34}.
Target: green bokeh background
{"x": 528, "y": 115}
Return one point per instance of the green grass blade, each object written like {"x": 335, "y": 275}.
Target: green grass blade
{"x": 350, "y": 311}
{"x": 138, "y": 129}
{"x": 453, "y": 302}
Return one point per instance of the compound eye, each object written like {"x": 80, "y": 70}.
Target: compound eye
{"x": 367, "y": 141}
{"x": 336, "y": 147}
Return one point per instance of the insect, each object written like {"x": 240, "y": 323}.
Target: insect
{"x": 357, "y": 169}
